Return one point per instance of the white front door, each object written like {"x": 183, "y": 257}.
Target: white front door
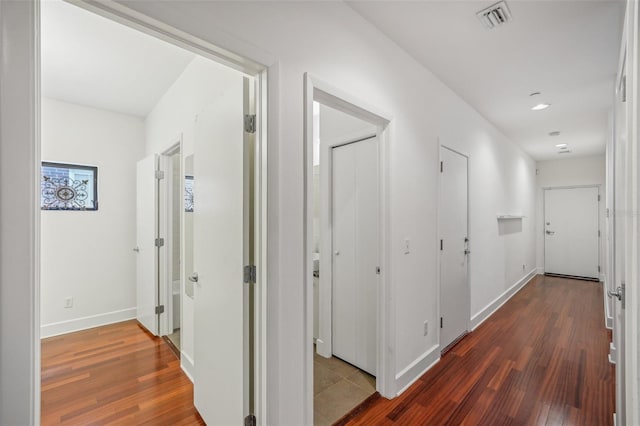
{"x": 571, "y": 244}
{"x": 218, "y": 258}
{"x": 355, "y": 253}
{"x": 147, "y": 251}
{"x": 453, "y": 223}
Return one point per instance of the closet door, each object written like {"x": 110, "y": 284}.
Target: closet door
{"x": 355, "y": 253}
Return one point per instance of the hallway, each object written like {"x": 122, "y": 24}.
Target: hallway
{"x": 540, "y": 359}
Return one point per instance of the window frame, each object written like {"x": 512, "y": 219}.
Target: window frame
{"x": 93, "y": 169}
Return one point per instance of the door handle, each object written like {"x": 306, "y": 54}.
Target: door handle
{"x": 617, "y": 294}
{"x": 467, "y": 251}
{"x": 136, "y": 249}
{"x": 193, "y": 277}
{"x": 550, "y": 232}
{"x": 337, "y": 253}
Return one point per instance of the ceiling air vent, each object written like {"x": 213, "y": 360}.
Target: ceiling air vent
{"x": 565, "y": 151}
{"x": 495, "y": 15}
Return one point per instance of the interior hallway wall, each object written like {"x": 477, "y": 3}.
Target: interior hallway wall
{"x": 174, "y": 116}
{"x": 329, "y": 40}
{"x": 88, "y": 255}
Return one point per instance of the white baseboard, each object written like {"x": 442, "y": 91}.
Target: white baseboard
{"x": 486, "y": 312}
{"x": 77, "y": 324}
{"x": 540, "y": 270}
{"x": 186, "y": 363}
{"x": 409, "y": 375}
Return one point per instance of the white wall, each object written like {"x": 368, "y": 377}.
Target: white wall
{"x": 173, "y": 116}
{"x": 570, "y": 172}
{"x": 331, "y": 41}
{"x": 88, "y": 255}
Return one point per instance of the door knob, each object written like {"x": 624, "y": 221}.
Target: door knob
{"x": 550, "y": 232}
{"x": 193, "y": 277}
{"x": 467, "y": 251}
{"x": 136, "y": 249}
{"x": 617, "y": 294}
{"x": 337, "y": 253}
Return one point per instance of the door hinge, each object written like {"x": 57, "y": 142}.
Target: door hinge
{"x": 623, "y": 291}
{"x": 598, "y": 233}
{"x": 598, "y": 197}
{"x": 250, "y": 274}
{"x": 378, "y": 270}
{"x": 440, "y": 322}
{"x": 250, "y": 420}
{"x": 441, "y": 245}
{"x": 160, "y": 309}
{"x": 598, "y": 268}
{"x": 159, "y": 242}
{"x": 250, "y": 123}
{"x": 159, "y": 174}
{"x": 441, "y": 166}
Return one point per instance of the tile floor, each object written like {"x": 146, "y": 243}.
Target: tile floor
{"x": 338, "y": 388}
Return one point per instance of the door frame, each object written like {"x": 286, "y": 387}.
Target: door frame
{"x": 438, "y": 237}
{"x": 544, "y": 205}
{"x": 25, "y": 209}
{"x": 165, "y": 220}
{"x": 324, "y": 343}
{"x": 318, "y": 90}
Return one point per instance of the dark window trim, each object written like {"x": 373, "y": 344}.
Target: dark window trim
{"x": 74, "y": 166}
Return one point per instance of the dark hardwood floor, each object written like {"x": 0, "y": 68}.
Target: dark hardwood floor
{"x": 541, "y": 359}
{"x": 116, "y": 374}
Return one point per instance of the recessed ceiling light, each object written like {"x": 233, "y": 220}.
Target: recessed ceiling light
{"x": 540, "y": 107}
{"x": 555, "y": 133}
{"x": 562, "y": 146}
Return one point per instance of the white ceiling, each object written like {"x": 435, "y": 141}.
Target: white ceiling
{"x": 92, "y": 61}
{"x": 568, "y": 50}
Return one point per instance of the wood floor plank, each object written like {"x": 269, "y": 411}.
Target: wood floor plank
{"x": 541, "y": 359}
{"x": 116, "y": 374}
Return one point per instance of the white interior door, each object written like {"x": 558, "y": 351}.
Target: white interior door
{"x": 146, "y": 233}
{"x": 620, "y": 240}
{"x": 218, "y": 257}
{"x": 453, "y": 223}
{"x": 571, "y": 240}
{"x": 355, "y": 253}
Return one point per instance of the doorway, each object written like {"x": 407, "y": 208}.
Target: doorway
{"x": 345, "y": 195}
{"x": 454, "y": 247}
{"x": 345, "y": 261}
{"x": 227, "y": 263}
{"x": 572, "y": 234}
